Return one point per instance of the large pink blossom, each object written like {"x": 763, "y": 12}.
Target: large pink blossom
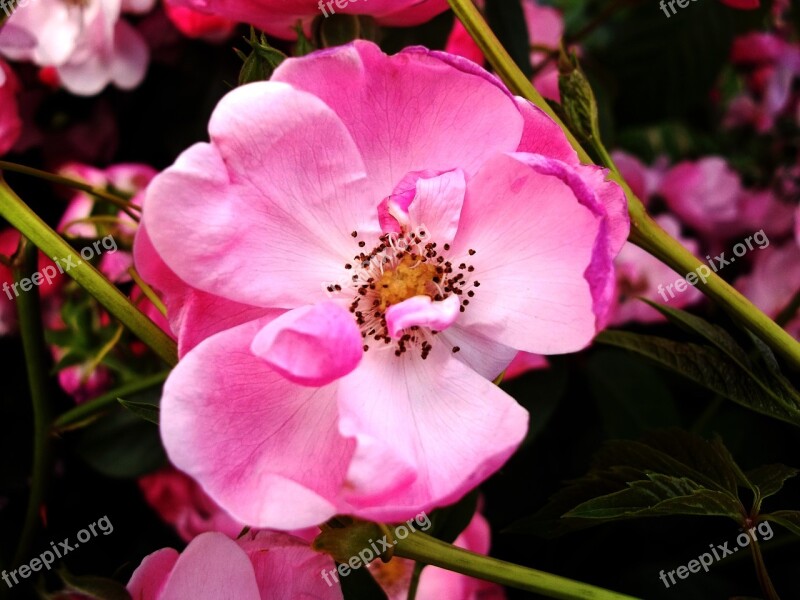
{"x": 280, "y": 17}
{"x": 88, "y": 44}
{"x": 361, "y": 385}
{"x": 10, "y": 122}
{"x": 260, "y": 565}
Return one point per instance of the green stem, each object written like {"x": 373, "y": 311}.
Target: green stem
{"x": 123, "y": 204}
{"x": 645, "y": 232}
{"x": 429, "y": 550}
{"x": 22, "y": 218}
{"x": 75, "y": 417}
{"x": 36, "y": 359}
{"x": 761, "y": 571}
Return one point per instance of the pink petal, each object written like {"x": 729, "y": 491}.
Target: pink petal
{"x": 524, "y": 362}
{"x": 422, "y": 311}
{"x": 149, "y": 578}
{"x": 213, "y": 566}
{"x": 287, "y": 568}
{"x": 265, "y": 449}
{"x": 313, "y": 345}
{"x": 452, "y": 427}
{"x": 483, "y": 355}
{"x": 274, "y": 233}
{"x": 541, "y": 135}
{"x": 541, "y": 255}
{"x": 424, "y": 124}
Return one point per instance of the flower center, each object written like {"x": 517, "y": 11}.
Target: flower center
{"x": 402, "y": 266}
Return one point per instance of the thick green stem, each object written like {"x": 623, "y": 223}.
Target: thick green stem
{"x": 83, "y": 413}
{"x": 22, "y": 218}
{"x": 24, "y": 265}
{"x": 645, "y": 232}
{"x": 425, "y": 549}
{"x": 761, "y": 571}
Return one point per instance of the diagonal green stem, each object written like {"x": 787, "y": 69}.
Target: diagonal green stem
{"x": 22, "y": 218}
{"x": 75, "y": 417}
{"x": 645, "y": 232}
{"x": 36, "y": 360}
{"x": 425, "y": 549}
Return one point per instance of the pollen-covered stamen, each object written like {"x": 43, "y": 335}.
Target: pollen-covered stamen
{"x": 400, "y": 267}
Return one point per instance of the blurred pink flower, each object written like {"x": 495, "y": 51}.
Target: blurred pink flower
{"x": 395, "y": 576}
{"x": 775, "y": 277}
{"x": 279, "y": 17}
{"x": 742, "y": 4}
{"x": 644, "y": 180}
{"x": 639, "y": 274}
{"x": 705, "y": 194}
{"x": 10, "y": 122}
{"x": 545, "y": 30}
{"x": 180, "y": 502}
{"x": 195, "y": 24}
{"x": 82, "y": 381}
{"x": 261, "y": 565}
{"x": 520, "y": 227}
{"x": 88, "y": 43}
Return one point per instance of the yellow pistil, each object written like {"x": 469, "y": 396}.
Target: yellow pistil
{"x": 408, "y": 279}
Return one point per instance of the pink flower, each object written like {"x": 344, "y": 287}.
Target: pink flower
{"x": 261, "y": 565}
{"x": 524, "y": 362}
{"x": 705, "y": 195}
{"x": 130, "y": 179}
{"x": 742, "y": 4}
{"x": 180, "y": 502}
{"x": 279, "y": 17}
{"x": 395, "y": 576}
{"x": 545, "y": 30}
{"x": 89, "y": 44}
{"x": 644, "y": 180}
{"x": 775, "y": 278}
{"x": 761, "y": 209}
{"x": 639, "y": 274}
{"x": 9, "y": 242}
{"x": 195, "y": 24}
{"x": 10, "y": 122}
{"x": 372, "y": 398}
{"x": 82, "y": 381}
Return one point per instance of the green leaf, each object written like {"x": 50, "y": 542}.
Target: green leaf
{"x": 121, "y": 445}
{"x": 262, "y": 60}
{"x": 769, "y": 479}
{"x": 708, "y": 366}
{"x": 660, "y": 495}
{"x": 143, "y": 410}
{"x": 93, "y": 587}
{"x": 789, "y": 519}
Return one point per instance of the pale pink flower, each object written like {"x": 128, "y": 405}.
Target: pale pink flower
{"x": 280, "y": 17}
{"x": 327, "y": 406}
{"x": 640, "y": 275}
{"x": 262, "y": 565}
{"x": 10, "y": 122}
{"x": 183, "y": 504}
{"x": 89, "y": 45}
{"x": 775, "y": 277}
{"x": 545, "y": 30}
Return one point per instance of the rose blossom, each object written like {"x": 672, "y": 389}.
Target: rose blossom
{"x": 279, "y": 17}
{"x": 263, "y": 564}
{"x": 88, "y": 43}
{"x": 387, "y": 282}
{"x": 195, "y": 24}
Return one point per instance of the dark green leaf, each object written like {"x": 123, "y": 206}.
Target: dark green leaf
{"x": 143, "y": 410}
{"x": 122, "y": 445}
{"x": 790, "y": 519}
{"x": 660, "y": 495}
{"x": 769, "y": 479}
{"x": 709, "y": 367}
